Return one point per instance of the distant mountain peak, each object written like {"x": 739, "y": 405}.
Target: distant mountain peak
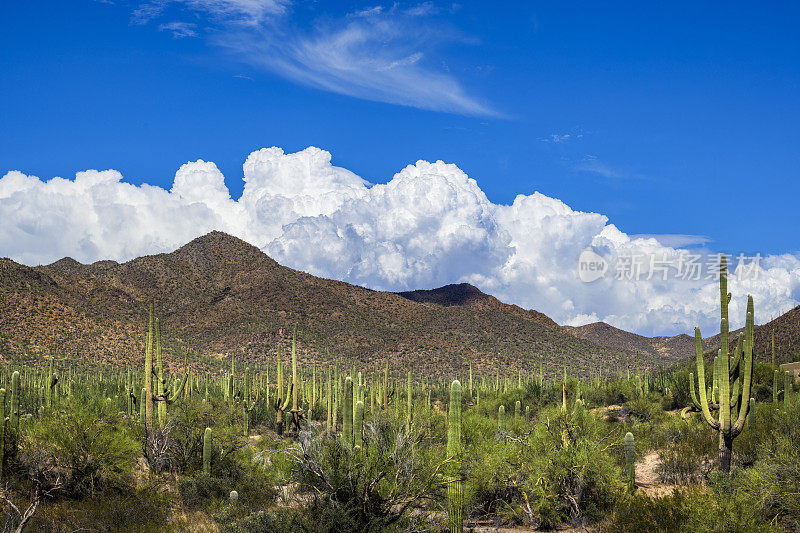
{"x": 218, "y": 239}
{"x": 219, "y": 247}
{"x": 69, "y": 265}
{"x": 448, "y": 295}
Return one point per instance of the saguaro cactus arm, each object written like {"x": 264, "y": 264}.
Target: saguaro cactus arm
{"x": 748, "y": 369}
{"x": 701, "y": 380}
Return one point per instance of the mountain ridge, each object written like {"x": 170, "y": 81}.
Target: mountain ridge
{"x": 218, "y": 295}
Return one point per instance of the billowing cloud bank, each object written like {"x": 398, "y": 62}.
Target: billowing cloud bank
{"x": 429, "y": 226}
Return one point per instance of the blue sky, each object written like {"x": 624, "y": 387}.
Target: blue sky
{"x": 674, "y": 113}
{"x": 675, "y": 120}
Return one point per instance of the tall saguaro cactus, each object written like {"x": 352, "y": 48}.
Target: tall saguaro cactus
{"x": 208, "y": 447}
{"x": 630, "y": 457}
{"x": 455, "y": 490}
{"x": 296, "y": 411}
{"x": 733, "y": 379}
{"x": 13, "y": 418}
{"x": 358, "y": 426}
{"x": 347, "y": 411}
{"x": 160, "y": 383}
{"x": 281, "y": 401}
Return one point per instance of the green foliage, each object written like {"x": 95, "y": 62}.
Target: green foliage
{"x": 379, "y": 487}
{"x": 145, "y": 508}
{"x": 688, "y": 511}
{"x": 88, "y": 447}
{"x": 565, "y": 470}
{"x": 687, "y": 450}
{"x": 197, "y": 490}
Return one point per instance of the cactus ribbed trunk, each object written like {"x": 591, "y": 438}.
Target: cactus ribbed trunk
{"x": 328, "y": 393}
{"x": 208, "y": 447}
{"x": 630, "y": 458}
{"x": 358, "y": 425}
{"x": 455, "y": 490}
{"x": 142, "y": 410}
{"x": 13, "y": 419}
{"x": 347, "y": 411}
{"x": 162, "y": 406}
{"x": 295, "y": 385}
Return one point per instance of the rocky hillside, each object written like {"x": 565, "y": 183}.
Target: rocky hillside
{"x": 681, "y": 347}
{"x": 219, "y": 295}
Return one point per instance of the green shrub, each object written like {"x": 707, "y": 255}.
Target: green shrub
{"x": 687, "y": 450}
{"x": 91, "y": 450}
{"x": 773, "y": 481}
{"x": 144, "y": 509}
{"x": 198, "y": 489}
{"x": 644, "y": 410}
{"x": 565, "y": 470}
{"x": 688, "y": 511}
{"x": 378, "y": 486}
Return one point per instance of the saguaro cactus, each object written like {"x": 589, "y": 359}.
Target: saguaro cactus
{"x": 52, "y": 381}
{"x": 13, "y": 419}
{"x": 455, "y": 490}
{"x": 358, "y": 426}
{"x": 161, "y": 411}
{"x": 297, "y": 413}
{"x": 501, "y": 418}
{"x": 347, "y": 411}
{"x": 249, "y": 402}
{"x": 208, "y": 447}
{"x": 142, "y": 409}
{"x": 733, "y": 376}
{"x": 281, "y": 402}
{"x": 630, "y": 457}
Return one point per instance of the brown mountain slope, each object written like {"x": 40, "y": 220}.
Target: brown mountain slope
{"x": 221, "y": 295}
{"x": 681, "y": 347}
{"x": 670, "y": 349}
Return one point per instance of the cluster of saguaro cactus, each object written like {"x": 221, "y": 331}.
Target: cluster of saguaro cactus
{"x": 162, "y": 394}
{"x": 281, "y": 401}
{"x": 732, "y": 377}
{"x": 249, "y": 400}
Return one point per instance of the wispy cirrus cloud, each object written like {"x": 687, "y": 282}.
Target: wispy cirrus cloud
{"x": 559, "y": 138}
{"x": 180, "y": 29}
{"x": 392, "y": 55}
{"x": 591, "y": 164}
{"x": 239, "y": 11}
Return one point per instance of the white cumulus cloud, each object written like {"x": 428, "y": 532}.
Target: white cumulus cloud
{"x": 429, "y": 225}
